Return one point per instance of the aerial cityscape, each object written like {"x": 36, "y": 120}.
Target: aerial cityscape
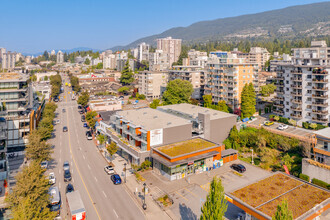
{"x": 174, "y": 110}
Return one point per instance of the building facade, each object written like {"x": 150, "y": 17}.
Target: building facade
{"x": 321, "y": 150}
{"x": 60, "y": 57}
{"x": 152, "y": 84}
{"x": 171, "y": 47}
{"x": 197, "y": 58}
{"x": 143, "y": 52}
{"x": 8, "y": 60}
{"x": 194, "y": 74}
{"x": 303, "y": 85}
{"x": 158, "y": 61}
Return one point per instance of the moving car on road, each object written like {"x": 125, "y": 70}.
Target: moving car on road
{"x": 268, "y": 123}
{"x": 66, "y": 165}
{"x": 109, "y": 170}
{"x": 67, "y": 176}
{"x": 65, "y": 129}
{"x": 282, "y": 127}
{"x": 69, "y": 188}
{"x": 238, "y": 167}
{"x": 44, "y": 164}
{"x": 115, "y": 178}
{"x": 63, "y": 110}
{"x": 52, "y": 179}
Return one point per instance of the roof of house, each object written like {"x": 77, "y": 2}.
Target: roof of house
{"x": 325, "y": 132}
{"x": 264, "y": 196}
{"x": 106, "y": 115}
{"x": 193, "y": 111}
{"x": 151, "y": 119}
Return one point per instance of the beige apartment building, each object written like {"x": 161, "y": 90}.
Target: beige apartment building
{"x": 226, "y": 77}
{"x": 152, "y": 84}
{"x": 259, "y": 56}
{"x": 193, "y": 74}
{"x": 171, "y": 47}
{"x": 8, "y": 60}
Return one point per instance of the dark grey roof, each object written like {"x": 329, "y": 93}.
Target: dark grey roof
{"x": 106, "y": 115}
{"x": 228, "y": 152}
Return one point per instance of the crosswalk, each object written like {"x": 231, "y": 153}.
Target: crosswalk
{"x": 206, "y": 186}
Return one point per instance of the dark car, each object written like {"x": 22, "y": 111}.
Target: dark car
{"x": 69, "y": 188}
{"x": 67, "y": 176}
{"x": 115, "y": 178}
{"x": 89, "y": 135}
{"x": 63, "y": 110}
{"x": 81, "y": 112}
{"x": 83, "y": 118}
{"x": 56, "y": 99}
{"x": 79, "y": 107}
{"x": 238, "y": 167}
{"x": 65, "y": 129}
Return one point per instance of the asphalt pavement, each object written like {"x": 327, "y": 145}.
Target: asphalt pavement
{"x": 102, "y": 199}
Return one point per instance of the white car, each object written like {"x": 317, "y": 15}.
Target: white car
{"x": 109, "y": 170}
{"x": 52, "y": 179}
{"x": 58, "y": 121}
{"x": 282, "y": 127}
{"x": 44, "y": 164}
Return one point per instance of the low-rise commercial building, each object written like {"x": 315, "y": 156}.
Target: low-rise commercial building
{"x": 321, "y": 150}
{"x": 105, "y": 104}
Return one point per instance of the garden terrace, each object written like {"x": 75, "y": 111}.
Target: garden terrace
{"x": 185, "y": 147}
{"x": 264, "y": 196}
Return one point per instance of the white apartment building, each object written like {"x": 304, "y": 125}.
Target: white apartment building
{"x": 152, "y": 84}
{"x": 158, "y": 61}
{"x": 143, "y": 52}
{"x": 303, "y": 85}
{"x": 8, "y": 60}
{"x": 171, "y": 47}
{"x": 60, "y": 57}
{"x": 109, "y": 61}
{"x": 259, "y": 55}
{"x": 197, "y": 58}
{"x": 284, "y": 58}
{"x": 193, "y": 74}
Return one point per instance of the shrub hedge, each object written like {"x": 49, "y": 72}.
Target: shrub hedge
{"x": 304, "y": 177}
{"x": 321, "y": 183}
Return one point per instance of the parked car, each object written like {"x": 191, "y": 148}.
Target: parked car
{"x": 56, "y": 100}
{"x": 115, "y": 178}
{"x": 52, "y": 179}
{"x": 81, "y": 112}
{"x": 238, "y": 167}
{"x": 89, "y": 135}
{"x": 79, "y": 107}
{"x": 109, "y": 170}
{"x": 69, "y": 188}
{"x": 268, "y": 123}
{"x": 282, "y": 127}
{"x": 66, "y": 165}
{"x": 58, "y": 121}
{"x": 85, "y": 125}
{"x": 63, "y": 110}
{"x": 65, "y": 129}
{"x": 67, "y": 176}
{"x": 44, "y": 164}
{"x": 83, "y": 118}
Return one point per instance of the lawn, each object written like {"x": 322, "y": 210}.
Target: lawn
{"x": 185, "y": 147}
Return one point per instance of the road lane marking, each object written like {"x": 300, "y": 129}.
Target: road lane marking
{"x": 59, "y": 171}
{"x": 88, "y": 167}
{"x": 59, "y": 185}
{"x": 191, "y": 192}
{"x": 95, "y": 178}
{"x": 90, "y": 198}
{"x": 115, "y": 213}
{"x": 84, "y": 157}
{"x": 59, "y": 160}
{"x": 105, "y": 194}
{"x": 181, "y": 196}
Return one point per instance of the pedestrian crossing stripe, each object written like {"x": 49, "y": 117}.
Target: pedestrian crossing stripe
{"x": 206, "y": 187}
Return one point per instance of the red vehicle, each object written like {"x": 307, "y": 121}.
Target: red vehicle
{"x": 75, "y": 206}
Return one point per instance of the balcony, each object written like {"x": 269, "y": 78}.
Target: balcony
{"x": 296, "y": 93}
{"x": 279, "y": 112}
{"x": 322, "y": 120}
{"x": 319, "y": 72}
{"x": 278, "y": 105}
{"x": 281, "y": 92}
{"x": 320, "y": 81}
{"x": 325, "y": 88}
{"x": 279, "y": 98}
{"x": 296, "y": 108}
{"x": 279, "y": 77}
{"x": 298, "y": 116}
{"x": 296, "y": 101}
{"x": 319, "y": 96}
{"x": 322, "y": 104}
{"x": 296, "y": 79}
{"x": 299, "y": 72}
{"x": 325, "y": 112}
{"x": 296, "y": 86}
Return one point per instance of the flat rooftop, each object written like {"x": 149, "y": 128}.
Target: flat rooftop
{"x": 193, "y": 111}
{"x": 185, "y": 147}
{"x": 266, "y": 194}
{"x": 13, "y": 77}
{"x": 151, "y": 119}
{"x": 325, "y": 132}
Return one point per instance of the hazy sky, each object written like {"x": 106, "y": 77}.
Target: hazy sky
{"x": 31, "y": 26}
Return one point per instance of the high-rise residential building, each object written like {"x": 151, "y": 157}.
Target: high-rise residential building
{"x": 259, "y": 56}
{"x": 52, "y": 53}
{"x": 193, "y": 74}
{"x": 109, "y": 61}
{"x": 143, "y": 51}
{"x": 8, "y": 60}
{"x": 152, "y": 84}
{"x": 3, "y": 143}
{"x": 197, "y": 58}
{"x": 284, "y": 58}
{"x": 226, "y": 77}
{"x": 303, "y": 85}
{"x": 2, "y": 51}
{"x": 158, "y": 61}
{"x": 60, "y": 57}
{"x": 171, "y": 47}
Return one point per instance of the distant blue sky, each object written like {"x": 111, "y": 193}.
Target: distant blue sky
{"x": 31, "y": 26}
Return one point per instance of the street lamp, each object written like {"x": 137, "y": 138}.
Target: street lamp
{"x": 125, "y": 171}
{"x": 252, "y": 157}
{"x": 144, "y": 206}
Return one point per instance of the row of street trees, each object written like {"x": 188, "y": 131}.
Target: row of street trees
{"x": 75, "y": 83}
{"x": 56, "y": 82}
{"x": 83, "y": 99}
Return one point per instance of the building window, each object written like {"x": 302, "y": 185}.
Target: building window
{"x": 325, "y": 145}
{"x": 309, "y": 76}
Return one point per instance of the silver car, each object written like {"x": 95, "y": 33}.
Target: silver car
{"x": 66, "y": 165}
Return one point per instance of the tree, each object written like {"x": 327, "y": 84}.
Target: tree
{"x": 266, "y": 90}
{"x": 215, "y": 205}
{"x": 155, "y": 103}
{"x": 127, "y": 77}
{"x": 101, "y": 138}
{"x": 33, "y": 78}
{"x": 99, "y": 66}
{"x": 177, "y": 91}
{"x": 248, "y": 101}
{"x": 83, "y": 99}
{"x": 283, "y": 212}
{"x": 29, "y": 198}
{"x": 87, "y": 61}
{"x": 90, "y": 118}
{"x": 46, "y": 55}
{"x": 288, "y": 161}
{"x": 207, "y": 101}
{"x": 46, "y": 78}
{"x": 222, "y": 106}
{"x": 123, "y": 90}
{"x": 112, "y": 148}
{"x": 37, "y": 149}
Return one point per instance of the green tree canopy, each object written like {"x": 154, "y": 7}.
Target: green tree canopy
{"x": 87, "y": 61}
{"x": 222, "y": 106}
{"x": 112, "y": 148}
{"x": 207, "y": 101}
{"x": 37, "y": 149}
{"x": 127, "y": 76}
{"x": 124, "y": 90}
{"x": 267, "y": 90}
{"x": 283, "y": 212}
{"x": 101, "y": 138}
{"x": 215, "y": 205}
{"x": 177, "y": 91}
{"x": 155, "y": 103}
{"x": 83, "y": 98}
{"x": 248, "y": 101}
{"x": 99, "y": 66}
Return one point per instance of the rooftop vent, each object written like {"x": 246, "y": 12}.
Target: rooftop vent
{"x": 169, "y": 123}
{"x": 155, "y": 116}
